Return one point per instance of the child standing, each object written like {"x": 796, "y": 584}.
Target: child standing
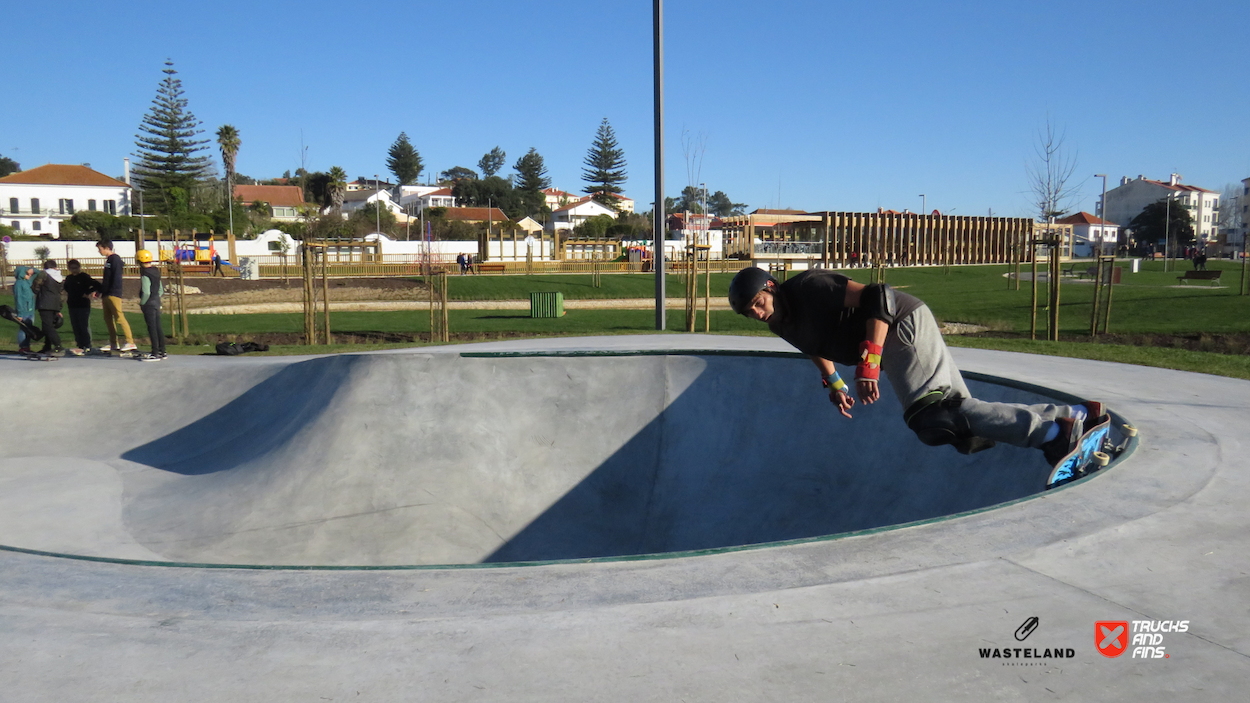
{"x": 24, "y": 301}
{"x": 79, "y": 286}
{"x": 111, "y": 296}
{"x": 150, "y": 301}
{"x": 47, "y": 289}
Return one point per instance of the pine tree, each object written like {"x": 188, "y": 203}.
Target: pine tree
{"x": 167, "y": 151}
{"x": 404, "y": 161}
{"x": 531, "y": 180}
{"x": 492, "y": 162}
{"x": 605, "y": 167}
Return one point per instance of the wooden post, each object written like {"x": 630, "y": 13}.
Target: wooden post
{"x": 1093, "y": 315}
{"x": 1106, "y": 320}
{"x": 1033, "y": 305}
{"x": 325, "y": 291}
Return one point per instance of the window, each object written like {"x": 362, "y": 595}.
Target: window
{"x": 34, "y": 206}
{"x": 110, "y": 206}
{"x": 36, "y": 226}
{"x": 91, "y": 205}
{"x": 16, "y": 225}
{"x": 67, "y": 206}
{"x": 13, "y": 208}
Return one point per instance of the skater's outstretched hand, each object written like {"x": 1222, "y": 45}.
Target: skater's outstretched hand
{"x": 868, "y": 391}
{"x": 843, "y": 401}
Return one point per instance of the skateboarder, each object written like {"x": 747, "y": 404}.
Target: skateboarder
{"x": 110, "y": 296}
{"x": 875, "y": 328}
{"x": 150, "y": 301}
{"x": 47, "y": 288}
{"x": 24, "y": 301}
{"x": 79, "y": 286}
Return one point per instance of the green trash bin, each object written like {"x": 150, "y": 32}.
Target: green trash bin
{"x": 547, "y": 304}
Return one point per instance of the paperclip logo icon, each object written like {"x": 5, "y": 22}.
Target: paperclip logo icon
{"x": 1111, "y": 637}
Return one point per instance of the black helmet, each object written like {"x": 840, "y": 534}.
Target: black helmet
{"x": 746, "y": 284}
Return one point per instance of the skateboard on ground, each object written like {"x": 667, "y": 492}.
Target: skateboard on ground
{"x": 39, "y": 356}
{"x": 1093, "y": 451}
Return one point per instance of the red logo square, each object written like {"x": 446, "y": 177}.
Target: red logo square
{"x": 1111, "y": 637}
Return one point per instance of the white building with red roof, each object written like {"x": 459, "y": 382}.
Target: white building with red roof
{"x": 286, "y": 203}
{"x": 556, "y": 198}
{"x": 38, "y": 200}
{"x": 572, "y": 215}
{"x": 1133, "y": 195}
{"x": 1091, "y": 235}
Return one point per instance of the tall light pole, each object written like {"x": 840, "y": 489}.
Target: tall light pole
{"x": 1102, "y": 212}
{"x": 923, "y": 208}
{"x": 657, "y": 212}
{"x": 377, "y": 201}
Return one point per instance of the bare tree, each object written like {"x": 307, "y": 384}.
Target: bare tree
{"x": 1050, "y": 172}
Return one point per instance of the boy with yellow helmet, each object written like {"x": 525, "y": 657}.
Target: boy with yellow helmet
{"x": 150, "y": 303}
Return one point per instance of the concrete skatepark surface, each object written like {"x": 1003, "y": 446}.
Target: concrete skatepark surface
{"x": 262, "y": 461}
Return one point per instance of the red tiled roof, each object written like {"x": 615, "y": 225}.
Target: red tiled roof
{"x": 1179, "y": 186}
{"x": 63, "y": 175}
{"x": 1084, "y": 218}
{"x": 440, "y": 191}
{"x": 475, "y": 214}
{"x": 276, "y": 196}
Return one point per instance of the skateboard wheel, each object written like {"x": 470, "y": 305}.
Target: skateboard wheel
{"x": 1130, "y": 431}
{"x": 1102, "y": 459}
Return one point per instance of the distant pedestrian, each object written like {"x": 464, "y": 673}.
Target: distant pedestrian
{"x": 1200, "y": 260}
{"x": 110, "y": 295}
{"x": 24, "y": 302}
{"x": 47, "y": 289}
{"x": 463, "y": 261}
{"x": 468, "y": 261}
{"x": 217, "y": 265}
{"x": 79, "y": 287}
{"x": 150, "y": 301}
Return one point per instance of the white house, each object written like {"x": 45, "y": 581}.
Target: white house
{"x": 425, "y": 197}
{"x": 556, "y": 198}
{"x": 357, "y": 199}
{"x": 1091, "y": 235}
{"x": 286, "y": 203}
{"x": 570, "y": 216}
{"x": 38, "y": 200}
{"x": 1133, "y": 195}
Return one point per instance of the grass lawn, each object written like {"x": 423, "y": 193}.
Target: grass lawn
{"x": 1149, "y": 302}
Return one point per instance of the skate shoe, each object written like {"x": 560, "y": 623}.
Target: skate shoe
{"x": 129, "y": 347}
{"x": 1070, "y": 431}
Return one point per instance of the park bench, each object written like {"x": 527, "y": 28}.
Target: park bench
{"x": 1089, "y": 272}
{"x": 1212, "y": 276}
{"x": 490, "y": 268}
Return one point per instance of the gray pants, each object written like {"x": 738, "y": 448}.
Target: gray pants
{"x": 916, "y": 360}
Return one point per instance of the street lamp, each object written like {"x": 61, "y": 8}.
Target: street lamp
{"x": 1102, "y": 213}
{"x": 923, "y": 210}
{"x": 377, "y": 200}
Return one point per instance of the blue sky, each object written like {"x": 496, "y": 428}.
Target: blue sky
{"x": 812, "y": 105}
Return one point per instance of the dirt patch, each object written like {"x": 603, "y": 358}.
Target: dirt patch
{"x": 1235, "y": 344}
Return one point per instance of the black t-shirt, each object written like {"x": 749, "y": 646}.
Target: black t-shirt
{"x": 817, "y": 322}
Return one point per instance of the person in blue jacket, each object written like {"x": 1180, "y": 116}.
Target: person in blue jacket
{"x": 24, "y": 301}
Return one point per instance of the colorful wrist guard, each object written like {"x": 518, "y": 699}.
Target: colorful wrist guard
{"x": 869, "y": 368}
{"x": 834, "y": 382}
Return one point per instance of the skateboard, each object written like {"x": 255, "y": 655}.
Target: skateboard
{"x": 10, "y": 314}
{"x": 38, "y": 356}
{"x": 1093, "y": 451}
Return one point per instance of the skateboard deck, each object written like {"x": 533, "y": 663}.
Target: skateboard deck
{"x": 10, "y": 314}
{"x": 35, "y": 356}
{"x": 1088, "y": 456}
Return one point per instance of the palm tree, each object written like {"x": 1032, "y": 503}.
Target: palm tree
{"x": 338, "y": 188}
{"x": 228, "y": 139}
